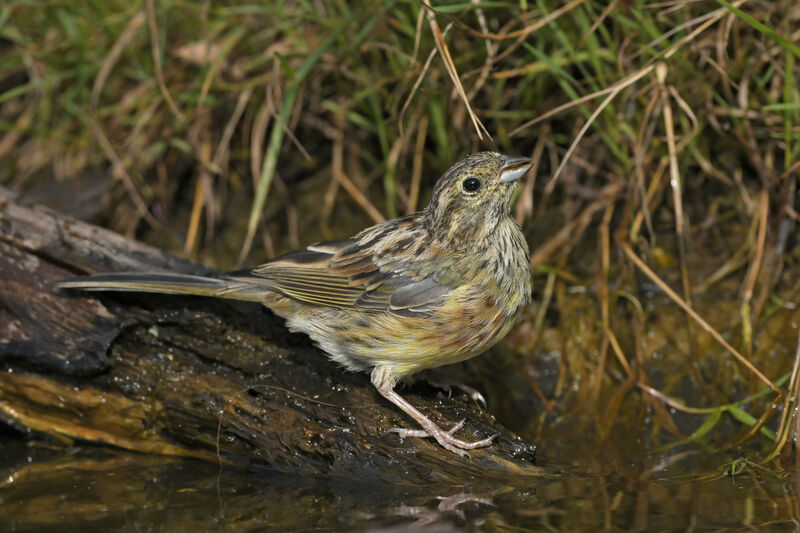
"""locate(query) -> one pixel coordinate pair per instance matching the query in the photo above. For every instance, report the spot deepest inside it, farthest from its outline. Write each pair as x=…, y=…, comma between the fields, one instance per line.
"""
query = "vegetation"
x=661, y=213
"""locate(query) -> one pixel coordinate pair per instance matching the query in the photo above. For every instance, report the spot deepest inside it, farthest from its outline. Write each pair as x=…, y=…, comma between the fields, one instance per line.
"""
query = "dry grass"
x=665, y=136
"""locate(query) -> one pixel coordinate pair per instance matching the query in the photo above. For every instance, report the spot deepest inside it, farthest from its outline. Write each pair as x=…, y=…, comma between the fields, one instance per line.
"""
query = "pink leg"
x=385, y=385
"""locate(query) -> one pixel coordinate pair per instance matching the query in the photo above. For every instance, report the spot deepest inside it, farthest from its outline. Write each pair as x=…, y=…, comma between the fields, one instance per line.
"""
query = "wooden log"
x=197, y=377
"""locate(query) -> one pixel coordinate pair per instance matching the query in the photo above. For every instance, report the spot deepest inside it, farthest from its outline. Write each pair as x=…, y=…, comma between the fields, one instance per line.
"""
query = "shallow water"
x=100, y=489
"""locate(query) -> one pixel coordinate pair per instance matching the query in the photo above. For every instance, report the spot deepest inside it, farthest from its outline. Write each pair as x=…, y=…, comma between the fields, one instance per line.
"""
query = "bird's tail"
x=166, y=283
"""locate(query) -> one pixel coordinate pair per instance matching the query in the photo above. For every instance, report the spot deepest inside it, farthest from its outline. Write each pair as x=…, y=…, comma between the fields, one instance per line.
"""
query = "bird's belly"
x=460, y=329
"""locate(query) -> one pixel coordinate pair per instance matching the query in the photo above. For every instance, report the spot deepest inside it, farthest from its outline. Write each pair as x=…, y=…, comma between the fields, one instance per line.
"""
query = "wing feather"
x=349, y=274
x=416, y=296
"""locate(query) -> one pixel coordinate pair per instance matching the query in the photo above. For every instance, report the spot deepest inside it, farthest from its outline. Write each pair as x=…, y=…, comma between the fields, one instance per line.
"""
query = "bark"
x=217, y=380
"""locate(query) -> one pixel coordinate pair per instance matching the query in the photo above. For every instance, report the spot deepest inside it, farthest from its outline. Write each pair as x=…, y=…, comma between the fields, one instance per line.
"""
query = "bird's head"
x=473, y=197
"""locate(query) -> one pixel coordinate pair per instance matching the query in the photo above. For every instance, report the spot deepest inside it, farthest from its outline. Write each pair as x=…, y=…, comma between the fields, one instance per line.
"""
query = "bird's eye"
x=471, y=184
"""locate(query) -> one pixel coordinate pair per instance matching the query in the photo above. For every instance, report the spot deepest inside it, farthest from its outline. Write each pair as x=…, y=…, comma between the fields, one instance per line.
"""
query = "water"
x=101, y=489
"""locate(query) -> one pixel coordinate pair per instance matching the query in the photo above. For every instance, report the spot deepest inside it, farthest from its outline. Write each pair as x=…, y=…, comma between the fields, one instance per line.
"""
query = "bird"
x=424, y=290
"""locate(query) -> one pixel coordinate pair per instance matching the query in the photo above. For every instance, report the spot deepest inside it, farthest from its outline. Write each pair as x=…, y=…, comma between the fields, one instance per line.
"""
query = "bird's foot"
x=445, y=438
x=384, y=381
x=438, y=380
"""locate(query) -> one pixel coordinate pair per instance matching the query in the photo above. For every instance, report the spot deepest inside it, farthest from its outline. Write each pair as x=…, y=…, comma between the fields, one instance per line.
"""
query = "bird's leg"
x=384, y=382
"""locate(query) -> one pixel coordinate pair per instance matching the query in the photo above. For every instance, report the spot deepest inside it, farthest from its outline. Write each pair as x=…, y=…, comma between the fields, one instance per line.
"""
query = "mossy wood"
x=198, y=377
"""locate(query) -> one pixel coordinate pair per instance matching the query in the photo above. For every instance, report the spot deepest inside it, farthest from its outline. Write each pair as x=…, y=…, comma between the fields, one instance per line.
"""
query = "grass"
x=661, y=214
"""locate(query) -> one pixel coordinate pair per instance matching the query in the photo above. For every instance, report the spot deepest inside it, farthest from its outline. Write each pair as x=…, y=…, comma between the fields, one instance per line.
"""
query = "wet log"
x=197, y=377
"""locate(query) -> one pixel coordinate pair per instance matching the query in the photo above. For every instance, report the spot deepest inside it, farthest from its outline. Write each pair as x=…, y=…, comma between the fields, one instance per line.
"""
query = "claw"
x=478, y=397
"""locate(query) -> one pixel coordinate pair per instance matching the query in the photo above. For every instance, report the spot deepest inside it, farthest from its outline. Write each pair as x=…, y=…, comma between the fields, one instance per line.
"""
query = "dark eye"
x=471, y=184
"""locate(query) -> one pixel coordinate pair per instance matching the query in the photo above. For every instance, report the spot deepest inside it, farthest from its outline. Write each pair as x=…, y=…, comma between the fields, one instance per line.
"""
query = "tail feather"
x=167, y=283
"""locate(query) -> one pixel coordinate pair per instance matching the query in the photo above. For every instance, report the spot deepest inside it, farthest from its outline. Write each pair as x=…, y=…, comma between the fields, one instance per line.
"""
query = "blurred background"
x=661, y=210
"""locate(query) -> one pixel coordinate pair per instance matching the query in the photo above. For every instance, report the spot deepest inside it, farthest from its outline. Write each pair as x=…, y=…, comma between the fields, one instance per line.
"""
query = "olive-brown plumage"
x=421, y=291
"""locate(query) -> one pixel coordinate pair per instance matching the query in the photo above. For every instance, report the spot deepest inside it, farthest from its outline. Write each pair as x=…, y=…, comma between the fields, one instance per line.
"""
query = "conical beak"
x=514, y=168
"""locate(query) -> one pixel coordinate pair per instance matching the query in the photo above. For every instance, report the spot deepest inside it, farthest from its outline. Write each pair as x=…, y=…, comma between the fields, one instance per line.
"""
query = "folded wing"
x=348, y=275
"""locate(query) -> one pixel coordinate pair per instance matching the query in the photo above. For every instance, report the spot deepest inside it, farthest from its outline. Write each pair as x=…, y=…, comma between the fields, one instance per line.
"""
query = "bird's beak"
x=513, y=168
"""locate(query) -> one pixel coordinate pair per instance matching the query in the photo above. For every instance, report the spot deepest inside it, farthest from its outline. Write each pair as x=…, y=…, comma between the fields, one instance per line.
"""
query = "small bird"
x=424, y=290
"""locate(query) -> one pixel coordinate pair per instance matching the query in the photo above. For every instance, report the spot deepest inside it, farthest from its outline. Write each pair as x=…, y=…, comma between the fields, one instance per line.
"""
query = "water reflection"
x=98, y=489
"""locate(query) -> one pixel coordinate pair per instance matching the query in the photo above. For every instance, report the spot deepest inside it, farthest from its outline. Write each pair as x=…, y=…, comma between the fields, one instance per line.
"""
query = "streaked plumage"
x=424, y=290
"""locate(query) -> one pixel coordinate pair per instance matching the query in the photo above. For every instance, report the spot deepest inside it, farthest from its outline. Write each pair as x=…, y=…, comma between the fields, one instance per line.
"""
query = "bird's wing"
x=349, y=275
